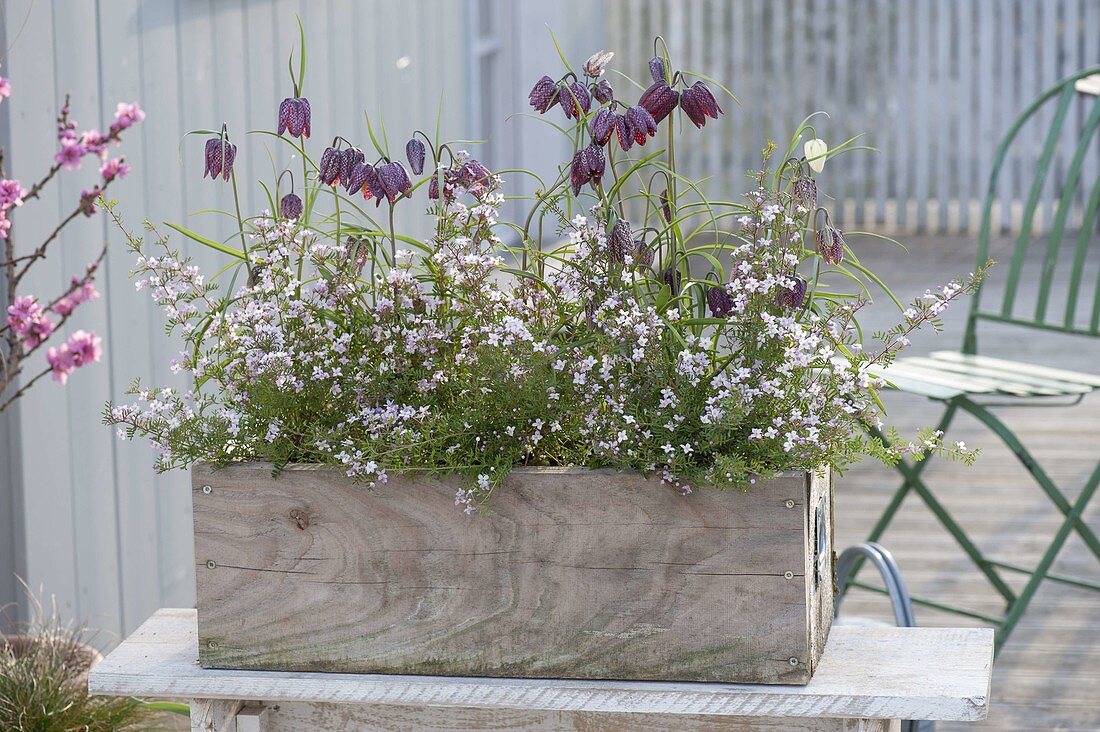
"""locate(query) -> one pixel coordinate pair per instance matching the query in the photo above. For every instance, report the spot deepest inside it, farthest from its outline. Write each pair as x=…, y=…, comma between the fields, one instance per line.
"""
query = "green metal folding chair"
x=966, y=380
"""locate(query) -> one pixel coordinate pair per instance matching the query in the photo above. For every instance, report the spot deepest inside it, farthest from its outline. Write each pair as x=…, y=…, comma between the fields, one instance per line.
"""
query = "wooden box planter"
x=589, y=574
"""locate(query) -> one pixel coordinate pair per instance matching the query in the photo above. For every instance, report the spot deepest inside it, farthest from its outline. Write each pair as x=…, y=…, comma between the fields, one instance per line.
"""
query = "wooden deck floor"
x=1048, y=675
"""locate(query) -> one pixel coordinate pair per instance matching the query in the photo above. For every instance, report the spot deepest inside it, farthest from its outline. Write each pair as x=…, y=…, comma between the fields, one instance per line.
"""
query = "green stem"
x=240, y=219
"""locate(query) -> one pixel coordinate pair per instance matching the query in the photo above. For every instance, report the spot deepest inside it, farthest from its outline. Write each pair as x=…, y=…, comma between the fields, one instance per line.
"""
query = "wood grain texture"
x=299, y=717
x=573, y=574
x=873, y=673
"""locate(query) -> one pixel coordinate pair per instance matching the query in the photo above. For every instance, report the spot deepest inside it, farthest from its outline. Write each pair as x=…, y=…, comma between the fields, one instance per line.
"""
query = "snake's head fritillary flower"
x=643, y=255
x=793, y=296
x=355, y=178
x=373, y=186
x=666, y=207
x=544, y=94
x=291, y=207
x=659, y=99
x=640, y=124
x=597, y=164
x=219, y=158
x=657, y=69
x=804, y=190
x=575, y=100
x=815, y=151
x=603, y=125
x=620, y=242
x=294, y=117
x=720, y=302
x=830, y=244
x=395, y=180
x=350, y=158
x=674, y=279
x=328, y=170
x=474, y=177
x=603, y=91
x=597, y=64
x=578, y=172
x=698, y=103
x=415, y=153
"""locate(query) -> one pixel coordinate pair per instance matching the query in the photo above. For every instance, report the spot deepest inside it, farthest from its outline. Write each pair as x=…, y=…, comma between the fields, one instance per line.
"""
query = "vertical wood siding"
x=932, y=84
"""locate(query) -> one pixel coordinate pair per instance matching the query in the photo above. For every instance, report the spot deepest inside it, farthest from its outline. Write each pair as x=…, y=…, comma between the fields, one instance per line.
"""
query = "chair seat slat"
x=1074, y=377
x=1054, y=386
x=968, y=385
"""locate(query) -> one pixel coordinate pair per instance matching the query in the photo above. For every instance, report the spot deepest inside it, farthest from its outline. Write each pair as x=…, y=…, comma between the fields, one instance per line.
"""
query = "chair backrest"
x=1066, y=298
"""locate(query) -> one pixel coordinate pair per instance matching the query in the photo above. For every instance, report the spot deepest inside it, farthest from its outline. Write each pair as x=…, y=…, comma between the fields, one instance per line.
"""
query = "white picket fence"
x=932, y=84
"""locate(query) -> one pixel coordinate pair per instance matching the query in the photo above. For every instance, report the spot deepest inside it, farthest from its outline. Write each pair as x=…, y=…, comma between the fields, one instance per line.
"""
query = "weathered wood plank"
x=882, y=673
x=299, y=717
x=574, y=573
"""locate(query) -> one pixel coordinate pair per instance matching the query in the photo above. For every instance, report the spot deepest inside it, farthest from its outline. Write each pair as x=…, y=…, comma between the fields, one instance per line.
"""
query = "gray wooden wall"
x=932, y=84
x=81, y=513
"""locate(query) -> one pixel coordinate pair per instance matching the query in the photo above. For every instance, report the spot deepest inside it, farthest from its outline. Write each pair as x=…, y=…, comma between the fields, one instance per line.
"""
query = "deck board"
x=1046, y=676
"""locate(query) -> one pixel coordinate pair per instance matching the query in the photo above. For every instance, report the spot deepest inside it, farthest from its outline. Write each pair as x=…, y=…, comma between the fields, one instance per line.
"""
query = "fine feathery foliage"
x=43, y=686
x=627, y=321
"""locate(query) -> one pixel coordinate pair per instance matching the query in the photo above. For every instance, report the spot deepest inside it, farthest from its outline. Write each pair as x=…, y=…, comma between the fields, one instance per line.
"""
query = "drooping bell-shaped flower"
x=373, y=187
x=291, y=207
x=294, y=116
x=830, y=244
x=578, y=172
x=474, y=177
x=356, y=177
x=328, y=170
x=720, y=302
x=674, y=279
x=698, y=103
x=659, y=100
x=597, y=63
x=220, y=154
x=597, y=164
x=544, y=94
x=350, y=158
x=643, y=254
x=395, y=180
x=620, y=242
x=640, y=124
x=815, y=151
x=603, y=91
x=804, y=190
x=657, y=69
x=602, y=126
x=792, y=297
x=575, y=100
x=415, y=153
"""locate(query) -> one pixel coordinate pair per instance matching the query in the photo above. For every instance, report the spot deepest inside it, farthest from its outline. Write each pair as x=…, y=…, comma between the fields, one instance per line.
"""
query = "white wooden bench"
x=869, y=678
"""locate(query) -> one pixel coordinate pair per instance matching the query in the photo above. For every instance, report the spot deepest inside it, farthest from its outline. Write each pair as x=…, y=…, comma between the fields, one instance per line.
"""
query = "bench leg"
x=214, y=715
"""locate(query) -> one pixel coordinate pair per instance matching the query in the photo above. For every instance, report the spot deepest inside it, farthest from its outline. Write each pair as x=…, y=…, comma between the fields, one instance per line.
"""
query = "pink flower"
x=87, y=201
x=82, y=292
x=128, y=115
x=84, y=347
x=70, y=154
x=11, y=194
x=28, y=321
x=5, y=87
x=4, y=226
x=81, y=349
x=115, y=168
x=94, y=142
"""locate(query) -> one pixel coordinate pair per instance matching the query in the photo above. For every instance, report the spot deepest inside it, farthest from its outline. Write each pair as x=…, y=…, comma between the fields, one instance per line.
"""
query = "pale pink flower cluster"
x=81, y=349
x=29, y=321
x=80, y=292
x=11, y=195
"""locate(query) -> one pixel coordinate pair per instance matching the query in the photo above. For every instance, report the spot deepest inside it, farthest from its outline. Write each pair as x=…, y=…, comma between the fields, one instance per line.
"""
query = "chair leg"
x=1040, y=475
x=1072, y=521
x=903, y=490
x=912, y=482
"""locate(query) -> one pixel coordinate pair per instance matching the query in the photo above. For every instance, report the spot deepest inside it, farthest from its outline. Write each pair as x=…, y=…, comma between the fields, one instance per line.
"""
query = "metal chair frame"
x=1040, y=384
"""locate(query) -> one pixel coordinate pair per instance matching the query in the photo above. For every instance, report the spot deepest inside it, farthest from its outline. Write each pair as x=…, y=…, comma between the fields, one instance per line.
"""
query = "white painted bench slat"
x=879, y=673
